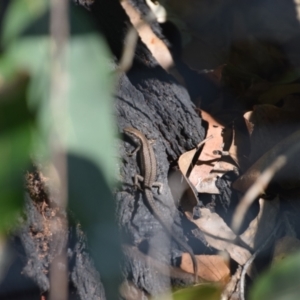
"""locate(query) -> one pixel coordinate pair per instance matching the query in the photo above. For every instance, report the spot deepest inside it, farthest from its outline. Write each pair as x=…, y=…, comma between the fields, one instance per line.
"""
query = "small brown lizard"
x=148, y=170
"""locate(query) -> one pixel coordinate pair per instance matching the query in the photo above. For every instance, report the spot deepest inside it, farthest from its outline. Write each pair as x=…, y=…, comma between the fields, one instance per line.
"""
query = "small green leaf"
x=202, y=291
x=279, y=283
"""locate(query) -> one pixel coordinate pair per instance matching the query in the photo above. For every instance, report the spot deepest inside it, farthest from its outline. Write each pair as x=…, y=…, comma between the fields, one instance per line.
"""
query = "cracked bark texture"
x=150, y=100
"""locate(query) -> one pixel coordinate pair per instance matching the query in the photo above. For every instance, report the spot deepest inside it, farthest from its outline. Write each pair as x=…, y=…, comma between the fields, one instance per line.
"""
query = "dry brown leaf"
x=288, y=177
x=234, y=149
x=262, y=226
x=249, y=124
x=182, y=191
x=208, y=184
x=187, y=188
x=157, y=47
x=212, y=268
x=185, y=160
x=219, y=236
x=239, y=149
x=208, y=157
x=213, y=162
x=284, y=247
x=231, y=289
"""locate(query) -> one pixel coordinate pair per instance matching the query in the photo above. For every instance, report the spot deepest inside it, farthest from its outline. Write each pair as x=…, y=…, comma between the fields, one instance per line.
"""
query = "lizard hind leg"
x=137, y=180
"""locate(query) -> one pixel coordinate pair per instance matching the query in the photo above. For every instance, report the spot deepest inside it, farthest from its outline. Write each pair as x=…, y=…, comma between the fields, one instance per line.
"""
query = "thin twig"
x=204, y=141
x=59, y=34
x=260, y=185
x=251, y=259
x=255, y=190
x=191, y=166
x=131, y=41
x=232, y=285
x=128, y=50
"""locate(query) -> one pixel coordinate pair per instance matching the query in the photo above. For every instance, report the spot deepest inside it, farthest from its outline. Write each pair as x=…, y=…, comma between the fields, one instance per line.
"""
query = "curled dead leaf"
x=249, y=124
x=157, y=47
x=182, y=191
x=212, y=268
x=219, y=236
x=262, y=226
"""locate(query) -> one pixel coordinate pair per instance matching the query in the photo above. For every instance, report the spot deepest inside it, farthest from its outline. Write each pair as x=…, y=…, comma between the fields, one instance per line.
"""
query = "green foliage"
x=87, y=129
x=202, y=291
x=83, y=126
x=280, y=283
x=20, y=16
x=16, y=123
x=91, y=130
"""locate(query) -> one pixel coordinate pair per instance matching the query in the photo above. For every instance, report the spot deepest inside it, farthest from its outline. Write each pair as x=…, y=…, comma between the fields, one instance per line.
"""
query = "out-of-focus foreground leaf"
x=16, y=123
x=87, y=130
x=21, y=15
x=203, y=291
x=280, y=283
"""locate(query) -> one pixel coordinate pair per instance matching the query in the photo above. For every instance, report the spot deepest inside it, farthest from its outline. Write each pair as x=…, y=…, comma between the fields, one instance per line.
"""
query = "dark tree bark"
x=150, y=100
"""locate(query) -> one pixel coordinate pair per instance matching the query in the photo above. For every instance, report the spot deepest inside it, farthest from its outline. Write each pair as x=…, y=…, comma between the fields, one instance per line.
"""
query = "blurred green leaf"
x=279, y=283
x=87, y=128
x=15, y=144
x=202, y=291
x=89, y=121
x=14, y=110
x=14, y=159
x=20, y=15
x=8, y=69
x=91, y=128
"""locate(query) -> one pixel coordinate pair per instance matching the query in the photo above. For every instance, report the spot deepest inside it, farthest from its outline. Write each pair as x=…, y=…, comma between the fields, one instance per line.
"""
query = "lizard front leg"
x=159, y=186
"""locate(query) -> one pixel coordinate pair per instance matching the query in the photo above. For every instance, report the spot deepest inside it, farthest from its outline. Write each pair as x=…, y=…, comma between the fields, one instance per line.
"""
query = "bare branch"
x=59, y=32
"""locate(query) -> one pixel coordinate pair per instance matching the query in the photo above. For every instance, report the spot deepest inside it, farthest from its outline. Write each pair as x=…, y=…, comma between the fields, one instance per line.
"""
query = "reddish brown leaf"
x=212, y=268
x=220, y=236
